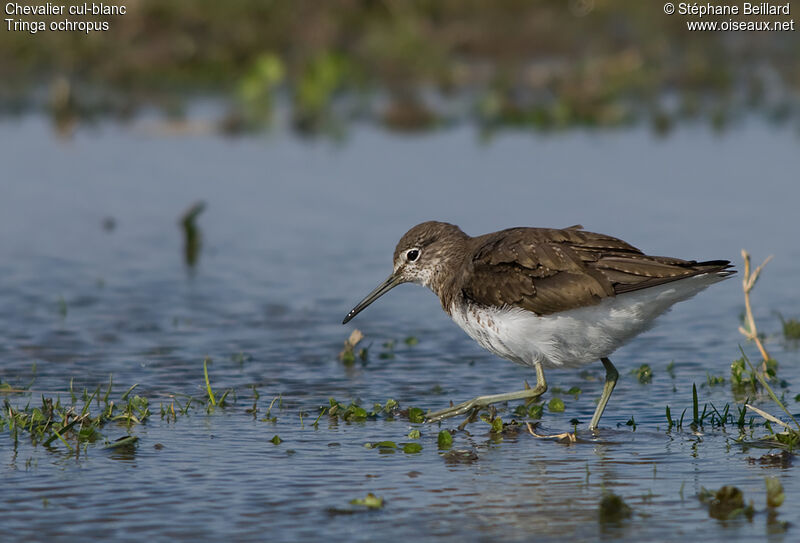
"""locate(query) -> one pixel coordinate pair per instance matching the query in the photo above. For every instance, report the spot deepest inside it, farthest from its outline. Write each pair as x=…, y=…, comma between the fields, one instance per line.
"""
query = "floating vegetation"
x=381, y=445
x=726, y=503
x=444, y=439
x=416, y=414
x=556, y=405
x=388, y=352
x=644, y=374
x=613, y=509
x=775, y=495
x=791, y=328
x=348, y=356
x=370, y=501
x=782, y=459
x=276, y=440
x=391, y=447
x=460, y=456
x=575, y=392
x=349, y=413
x=714, y=380
x=411, y=341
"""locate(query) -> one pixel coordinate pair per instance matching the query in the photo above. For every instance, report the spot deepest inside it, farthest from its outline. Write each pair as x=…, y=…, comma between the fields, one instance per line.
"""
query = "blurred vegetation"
x=408, y=64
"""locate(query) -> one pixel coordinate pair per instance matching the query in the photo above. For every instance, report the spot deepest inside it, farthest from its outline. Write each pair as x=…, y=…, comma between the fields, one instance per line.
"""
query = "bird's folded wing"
x=549, y=270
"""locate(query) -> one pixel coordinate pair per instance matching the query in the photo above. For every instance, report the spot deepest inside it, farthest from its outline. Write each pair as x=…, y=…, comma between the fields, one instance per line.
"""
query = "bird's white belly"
x=573, y=338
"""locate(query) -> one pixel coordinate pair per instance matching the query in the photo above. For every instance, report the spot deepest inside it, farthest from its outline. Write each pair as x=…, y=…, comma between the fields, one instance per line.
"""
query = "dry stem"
x=748, y=282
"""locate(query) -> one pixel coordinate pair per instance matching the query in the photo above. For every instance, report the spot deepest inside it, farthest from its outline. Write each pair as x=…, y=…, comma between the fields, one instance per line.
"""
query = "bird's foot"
x=473, y=405
x=476, y=404
x=564, y=437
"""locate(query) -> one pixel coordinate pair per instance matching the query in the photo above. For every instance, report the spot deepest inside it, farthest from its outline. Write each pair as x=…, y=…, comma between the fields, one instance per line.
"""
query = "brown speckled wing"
x=549, y=270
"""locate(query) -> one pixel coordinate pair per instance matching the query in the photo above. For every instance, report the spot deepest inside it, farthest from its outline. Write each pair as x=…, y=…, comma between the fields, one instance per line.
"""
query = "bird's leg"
x=608, y=388
x=480, y=402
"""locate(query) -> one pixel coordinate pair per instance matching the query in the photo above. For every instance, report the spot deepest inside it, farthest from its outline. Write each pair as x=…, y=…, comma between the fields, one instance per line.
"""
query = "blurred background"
x=421, y=65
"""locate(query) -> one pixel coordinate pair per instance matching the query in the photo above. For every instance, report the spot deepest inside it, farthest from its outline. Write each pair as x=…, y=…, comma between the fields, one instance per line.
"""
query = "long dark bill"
x=382, y=289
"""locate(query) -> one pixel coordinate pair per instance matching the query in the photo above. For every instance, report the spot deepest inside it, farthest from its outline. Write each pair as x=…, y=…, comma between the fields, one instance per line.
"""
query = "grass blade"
x=211, y=397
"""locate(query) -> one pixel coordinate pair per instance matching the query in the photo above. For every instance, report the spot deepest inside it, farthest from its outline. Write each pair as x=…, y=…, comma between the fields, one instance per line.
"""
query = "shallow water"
x=294, y=234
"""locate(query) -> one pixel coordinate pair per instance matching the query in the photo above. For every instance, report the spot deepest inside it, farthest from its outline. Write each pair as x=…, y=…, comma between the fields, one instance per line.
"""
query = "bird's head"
x=419, y=257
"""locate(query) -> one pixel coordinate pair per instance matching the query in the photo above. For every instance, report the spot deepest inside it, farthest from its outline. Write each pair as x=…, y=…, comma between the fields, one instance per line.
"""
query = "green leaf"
x=536, y=410
x=445, y=439
x=411, y=448
x=208, y=384
x=643, y=373
x=276, y=440
x=414, y=434
x=556, y=405
x=370, y=500
x=497, y=425
x=415, y=414
x=775, y=495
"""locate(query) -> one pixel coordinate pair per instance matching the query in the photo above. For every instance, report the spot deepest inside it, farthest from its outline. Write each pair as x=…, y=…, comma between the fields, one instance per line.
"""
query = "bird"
x=543, y=297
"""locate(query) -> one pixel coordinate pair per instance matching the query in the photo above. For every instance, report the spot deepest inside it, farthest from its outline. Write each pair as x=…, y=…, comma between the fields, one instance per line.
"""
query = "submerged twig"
x=748, y=282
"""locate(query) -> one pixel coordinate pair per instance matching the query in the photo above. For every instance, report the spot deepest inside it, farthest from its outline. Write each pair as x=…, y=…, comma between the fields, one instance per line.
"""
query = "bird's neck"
x=446, y=277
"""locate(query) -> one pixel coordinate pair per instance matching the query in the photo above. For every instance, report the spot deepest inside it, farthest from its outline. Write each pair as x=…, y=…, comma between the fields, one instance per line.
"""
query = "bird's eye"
x=412, y=255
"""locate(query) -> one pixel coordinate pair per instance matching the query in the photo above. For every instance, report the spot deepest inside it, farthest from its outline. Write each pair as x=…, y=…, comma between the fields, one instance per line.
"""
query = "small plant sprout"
x=347, y=355
x=643, y=374
x=210, y=392
x=791, y=328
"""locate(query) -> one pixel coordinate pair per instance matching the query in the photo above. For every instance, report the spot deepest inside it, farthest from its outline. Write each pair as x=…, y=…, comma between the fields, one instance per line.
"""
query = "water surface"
x=296, y=232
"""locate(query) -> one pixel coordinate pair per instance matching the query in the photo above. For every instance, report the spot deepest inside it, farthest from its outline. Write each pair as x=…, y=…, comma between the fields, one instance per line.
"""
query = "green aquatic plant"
x=444, y=440
x=348, y=355
x=416, y=414
x=212, y=401
x=791, y=328
x=349, y=413
x=370, y=501
x=775, y=495
x=556, y=405
x=73, y=425
x=192, y=236
x=726, y=503
x=613, y=509
x=644, y=374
